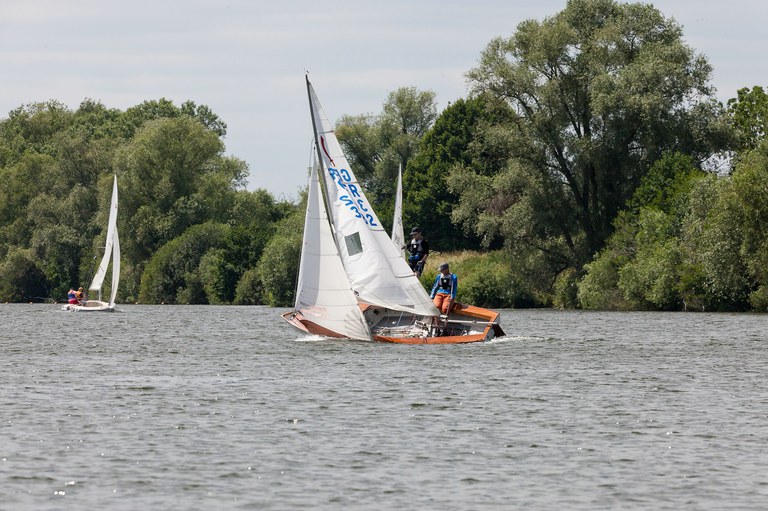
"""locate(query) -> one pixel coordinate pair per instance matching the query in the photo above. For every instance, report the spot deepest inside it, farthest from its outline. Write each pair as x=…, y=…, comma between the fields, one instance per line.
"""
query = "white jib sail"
x=398, y=235
x=101, y=272
x=115, y=268
x=323, y=294
x=376, y=270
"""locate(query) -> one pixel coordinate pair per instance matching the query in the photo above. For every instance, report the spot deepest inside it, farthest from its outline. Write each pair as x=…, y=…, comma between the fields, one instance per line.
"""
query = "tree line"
x=190, y=232
x=590, y=166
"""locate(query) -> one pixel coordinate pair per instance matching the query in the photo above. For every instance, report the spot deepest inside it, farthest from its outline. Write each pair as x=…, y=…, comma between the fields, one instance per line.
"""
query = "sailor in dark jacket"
x=419, y=251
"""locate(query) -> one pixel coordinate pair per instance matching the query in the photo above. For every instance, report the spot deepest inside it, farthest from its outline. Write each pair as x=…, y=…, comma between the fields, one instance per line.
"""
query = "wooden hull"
x=297, y=320
x=465, y=324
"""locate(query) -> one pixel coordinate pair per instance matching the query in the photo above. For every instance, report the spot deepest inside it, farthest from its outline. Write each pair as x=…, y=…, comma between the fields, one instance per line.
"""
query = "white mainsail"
x=323, y=293
x=398, y=235
x=111, y=251
x=377, y=272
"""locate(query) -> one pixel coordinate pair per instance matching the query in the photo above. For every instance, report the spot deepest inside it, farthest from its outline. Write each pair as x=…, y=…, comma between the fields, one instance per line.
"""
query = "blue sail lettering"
x=353, y=190
x=343, y=179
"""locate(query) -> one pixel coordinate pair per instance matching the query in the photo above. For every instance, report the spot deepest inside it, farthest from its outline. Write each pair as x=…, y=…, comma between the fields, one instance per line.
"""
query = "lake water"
x=202, y=407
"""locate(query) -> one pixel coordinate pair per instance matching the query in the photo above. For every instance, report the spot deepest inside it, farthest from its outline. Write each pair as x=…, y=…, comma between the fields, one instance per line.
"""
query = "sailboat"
x=111, y=252
x=353, y=281
x=398, y=235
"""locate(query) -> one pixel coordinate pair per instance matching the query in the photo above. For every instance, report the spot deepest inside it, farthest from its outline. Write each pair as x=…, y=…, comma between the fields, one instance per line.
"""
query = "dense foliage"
x=594, y=96
x=189, y=230
x=428, y=201
x=377, y=145
x=590, y=167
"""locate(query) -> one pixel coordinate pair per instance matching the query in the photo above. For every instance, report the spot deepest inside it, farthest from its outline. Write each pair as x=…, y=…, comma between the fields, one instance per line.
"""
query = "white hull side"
x=89, y=306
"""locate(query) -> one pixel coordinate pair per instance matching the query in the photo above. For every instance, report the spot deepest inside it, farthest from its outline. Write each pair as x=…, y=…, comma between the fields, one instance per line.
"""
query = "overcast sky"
x=246, y=59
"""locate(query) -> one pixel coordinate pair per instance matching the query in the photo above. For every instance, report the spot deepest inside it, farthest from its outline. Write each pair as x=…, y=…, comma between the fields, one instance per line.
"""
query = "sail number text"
x=353, y=200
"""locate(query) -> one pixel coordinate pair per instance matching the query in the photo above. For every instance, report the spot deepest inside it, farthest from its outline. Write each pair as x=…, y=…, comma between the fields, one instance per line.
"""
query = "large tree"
x=173, y=174
x=428, y=202
x=598, y=92
x=749, y=113
x=376, y=145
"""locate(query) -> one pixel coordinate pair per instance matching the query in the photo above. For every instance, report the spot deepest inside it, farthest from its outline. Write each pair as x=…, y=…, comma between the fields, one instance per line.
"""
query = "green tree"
x=376, y=145
x=427, y=201
x=257, y=222
x=716, y=276
x=599, y=91
x=135, y=117
x=32, y=128
x=273, y=280
x=173, y=273
x=253, y=223
x=644, y=262
x=62, y=238
x=650, y=278
x=21, y=182
x=56, y=168
x=739, y=234
x=172, y=175
x=20, y=278
x=749, y=111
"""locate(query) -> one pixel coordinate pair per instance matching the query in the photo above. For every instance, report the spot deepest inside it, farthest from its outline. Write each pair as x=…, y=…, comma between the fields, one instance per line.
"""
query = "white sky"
x=245, y=59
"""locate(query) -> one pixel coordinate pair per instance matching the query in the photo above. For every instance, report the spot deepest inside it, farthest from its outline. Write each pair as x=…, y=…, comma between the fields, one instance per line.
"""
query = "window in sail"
x=354, y=245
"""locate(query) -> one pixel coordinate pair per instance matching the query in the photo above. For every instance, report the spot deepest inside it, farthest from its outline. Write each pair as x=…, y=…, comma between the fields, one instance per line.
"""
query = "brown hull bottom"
x=474, y=324
x=295, y=319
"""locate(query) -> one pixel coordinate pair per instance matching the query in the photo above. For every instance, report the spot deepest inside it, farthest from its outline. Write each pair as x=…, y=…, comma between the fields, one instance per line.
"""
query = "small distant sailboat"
x=354, y=282
x=398, y=234
x=111, y=252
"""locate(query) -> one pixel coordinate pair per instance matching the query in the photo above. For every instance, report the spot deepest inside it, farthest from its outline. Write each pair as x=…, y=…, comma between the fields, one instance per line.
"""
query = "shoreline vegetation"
x=590, y=166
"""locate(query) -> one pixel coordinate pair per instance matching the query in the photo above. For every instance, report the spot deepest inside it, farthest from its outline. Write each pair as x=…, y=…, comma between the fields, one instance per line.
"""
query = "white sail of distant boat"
x=398, y=234
x=111, y=253
x=353, y=280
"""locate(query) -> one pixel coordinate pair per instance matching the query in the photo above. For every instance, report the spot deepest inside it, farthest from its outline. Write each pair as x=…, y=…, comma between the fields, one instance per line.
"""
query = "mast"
x=319, y=157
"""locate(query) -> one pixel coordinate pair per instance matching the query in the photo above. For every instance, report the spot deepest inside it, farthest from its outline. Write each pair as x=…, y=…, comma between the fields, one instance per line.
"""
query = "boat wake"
x=313, y=338
x=515, y=338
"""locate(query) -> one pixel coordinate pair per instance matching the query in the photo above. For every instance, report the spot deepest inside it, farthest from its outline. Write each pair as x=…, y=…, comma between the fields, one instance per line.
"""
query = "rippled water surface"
x=183, y=407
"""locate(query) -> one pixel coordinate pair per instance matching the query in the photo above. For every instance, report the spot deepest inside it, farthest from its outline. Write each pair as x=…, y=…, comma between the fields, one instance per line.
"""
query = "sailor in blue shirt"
x=444, y=289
